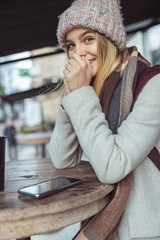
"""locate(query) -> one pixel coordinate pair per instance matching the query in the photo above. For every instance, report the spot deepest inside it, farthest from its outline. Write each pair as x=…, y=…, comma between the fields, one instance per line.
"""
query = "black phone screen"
x=48, y=187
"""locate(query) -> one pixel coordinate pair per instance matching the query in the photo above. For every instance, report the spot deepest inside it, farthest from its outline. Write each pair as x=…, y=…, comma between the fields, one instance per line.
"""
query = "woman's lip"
x=92, y=60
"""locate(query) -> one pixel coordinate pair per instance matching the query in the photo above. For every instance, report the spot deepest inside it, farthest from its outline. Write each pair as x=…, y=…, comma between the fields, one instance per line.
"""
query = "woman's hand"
x=77, y=73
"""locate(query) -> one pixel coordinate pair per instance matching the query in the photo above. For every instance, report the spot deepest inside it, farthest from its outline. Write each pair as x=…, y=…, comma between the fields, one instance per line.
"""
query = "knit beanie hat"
x=104, y=16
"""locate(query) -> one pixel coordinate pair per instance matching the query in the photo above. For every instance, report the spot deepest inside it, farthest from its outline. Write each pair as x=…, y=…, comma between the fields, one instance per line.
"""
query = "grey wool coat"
x=82, y=132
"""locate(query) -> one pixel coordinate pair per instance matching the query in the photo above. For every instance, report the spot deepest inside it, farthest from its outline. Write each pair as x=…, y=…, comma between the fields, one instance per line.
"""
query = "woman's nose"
x=80, y=50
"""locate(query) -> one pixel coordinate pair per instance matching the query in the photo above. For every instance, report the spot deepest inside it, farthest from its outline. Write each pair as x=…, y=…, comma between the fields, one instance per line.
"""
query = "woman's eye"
x=69, y=46
x=88, y=39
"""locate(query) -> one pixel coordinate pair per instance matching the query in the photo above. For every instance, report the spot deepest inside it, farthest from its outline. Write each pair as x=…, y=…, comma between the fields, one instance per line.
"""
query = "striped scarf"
x=116, y=99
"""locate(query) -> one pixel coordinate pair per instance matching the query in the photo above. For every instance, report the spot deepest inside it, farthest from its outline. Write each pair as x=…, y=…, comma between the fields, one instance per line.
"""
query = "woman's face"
x=83, y=42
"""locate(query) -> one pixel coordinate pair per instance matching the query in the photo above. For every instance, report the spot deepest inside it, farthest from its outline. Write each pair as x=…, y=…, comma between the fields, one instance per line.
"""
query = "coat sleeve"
x=114, y=156
x=64, y=147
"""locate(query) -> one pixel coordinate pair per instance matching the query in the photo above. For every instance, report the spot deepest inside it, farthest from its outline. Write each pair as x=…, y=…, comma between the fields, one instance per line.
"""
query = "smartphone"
x=49, y=187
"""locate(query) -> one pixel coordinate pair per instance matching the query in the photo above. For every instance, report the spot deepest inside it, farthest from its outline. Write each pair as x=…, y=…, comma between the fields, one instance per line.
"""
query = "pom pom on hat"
x=104, y=16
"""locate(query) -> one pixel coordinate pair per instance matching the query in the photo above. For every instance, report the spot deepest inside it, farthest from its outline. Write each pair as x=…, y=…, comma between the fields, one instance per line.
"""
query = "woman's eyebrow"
x=81, y=35
x=68, y=41
x=86, y=32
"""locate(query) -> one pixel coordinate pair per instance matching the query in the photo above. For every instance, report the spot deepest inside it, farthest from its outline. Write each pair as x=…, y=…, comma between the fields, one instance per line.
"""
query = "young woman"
x=94, y=121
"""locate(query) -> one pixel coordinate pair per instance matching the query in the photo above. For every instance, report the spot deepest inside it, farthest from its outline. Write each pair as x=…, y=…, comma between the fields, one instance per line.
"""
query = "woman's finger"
x=77, y=58
x=83, y=62
x=68, y=67
x=88, y=62
x=66, y=73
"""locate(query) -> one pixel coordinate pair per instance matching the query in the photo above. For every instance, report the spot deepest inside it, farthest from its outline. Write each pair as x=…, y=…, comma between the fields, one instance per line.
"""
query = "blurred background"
x=32, y=63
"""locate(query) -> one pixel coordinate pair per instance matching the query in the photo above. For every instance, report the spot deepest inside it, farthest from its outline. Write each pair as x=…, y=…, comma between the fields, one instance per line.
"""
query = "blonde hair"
x=108, y=59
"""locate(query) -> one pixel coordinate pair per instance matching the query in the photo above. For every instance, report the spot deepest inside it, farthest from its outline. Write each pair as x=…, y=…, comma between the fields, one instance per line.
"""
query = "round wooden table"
x=23, y=216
